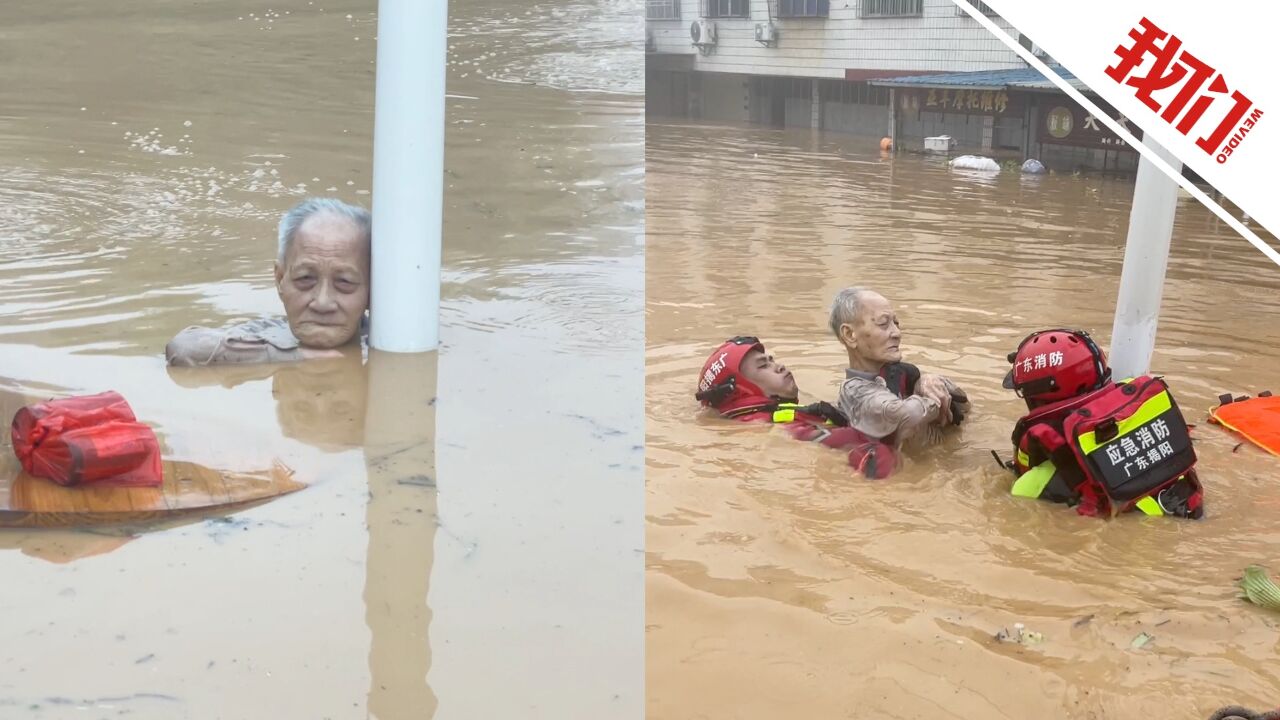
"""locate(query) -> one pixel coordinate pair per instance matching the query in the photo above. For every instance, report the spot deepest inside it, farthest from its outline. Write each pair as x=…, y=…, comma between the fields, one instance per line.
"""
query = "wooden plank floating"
x=31, y=502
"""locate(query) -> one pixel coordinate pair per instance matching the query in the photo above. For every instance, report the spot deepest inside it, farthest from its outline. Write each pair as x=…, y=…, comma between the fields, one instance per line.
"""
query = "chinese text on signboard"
x=972, y=102
x=1069, y=124
x=983, y=101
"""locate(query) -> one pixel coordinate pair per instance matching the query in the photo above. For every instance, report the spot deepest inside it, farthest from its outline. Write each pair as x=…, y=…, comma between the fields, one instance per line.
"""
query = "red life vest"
x=721, y=387
x=901, y=378
x=823, y=424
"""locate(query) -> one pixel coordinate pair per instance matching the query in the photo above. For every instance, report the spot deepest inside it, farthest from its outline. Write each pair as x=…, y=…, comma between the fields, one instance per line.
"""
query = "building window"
x=726, y=8
x=803, y=8
x=663, y=10
x=853, y=93
x=799, y=88
x=982, y=7
x=890, y=8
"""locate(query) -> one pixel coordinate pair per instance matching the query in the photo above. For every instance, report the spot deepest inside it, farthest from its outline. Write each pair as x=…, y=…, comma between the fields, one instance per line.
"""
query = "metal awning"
x=1012, y=79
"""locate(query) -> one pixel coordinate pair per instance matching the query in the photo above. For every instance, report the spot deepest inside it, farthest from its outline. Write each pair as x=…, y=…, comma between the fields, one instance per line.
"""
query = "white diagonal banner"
x=1196, y=86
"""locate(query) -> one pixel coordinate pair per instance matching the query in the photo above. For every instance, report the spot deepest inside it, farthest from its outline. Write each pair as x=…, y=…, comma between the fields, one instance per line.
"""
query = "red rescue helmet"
x=721, y=386
x=1056, y=364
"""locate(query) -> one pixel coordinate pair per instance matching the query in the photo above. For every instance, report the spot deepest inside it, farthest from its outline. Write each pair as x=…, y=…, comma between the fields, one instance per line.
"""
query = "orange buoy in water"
x=1258, y=420
x=886, y=144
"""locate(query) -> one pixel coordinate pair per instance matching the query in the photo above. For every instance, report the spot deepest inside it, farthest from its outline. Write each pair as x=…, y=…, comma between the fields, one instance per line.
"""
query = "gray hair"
x=844, y=309
x=304, y=210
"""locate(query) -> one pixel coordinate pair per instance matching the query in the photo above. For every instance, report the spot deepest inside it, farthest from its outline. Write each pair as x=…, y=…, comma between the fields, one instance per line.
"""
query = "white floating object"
x=975, y=162
x=940, y=144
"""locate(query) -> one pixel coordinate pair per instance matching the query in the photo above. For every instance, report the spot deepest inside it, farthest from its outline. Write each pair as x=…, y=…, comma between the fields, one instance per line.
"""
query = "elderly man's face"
x=324, y=281
x=876, y=333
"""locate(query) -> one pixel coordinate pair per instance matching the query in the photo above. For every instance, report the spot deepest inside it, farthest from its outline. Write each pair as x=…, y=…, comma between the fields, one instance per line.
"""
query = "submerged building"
x=906, y=69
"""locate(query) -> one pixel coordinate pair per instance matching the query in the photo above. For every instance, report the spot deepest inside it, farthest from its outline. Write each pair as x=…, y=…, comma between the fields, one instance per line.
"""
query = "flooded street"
x=150, y=149
x=770, y=567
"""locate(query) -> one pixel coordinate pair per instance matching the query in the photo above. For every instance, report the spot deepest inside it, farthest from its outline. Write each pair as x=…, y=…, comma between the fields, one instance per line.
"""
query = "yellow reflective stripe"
x=1023, y=459
x=786, y=413
x=1149, y=506
x=1149, y=411
x=1031, y=483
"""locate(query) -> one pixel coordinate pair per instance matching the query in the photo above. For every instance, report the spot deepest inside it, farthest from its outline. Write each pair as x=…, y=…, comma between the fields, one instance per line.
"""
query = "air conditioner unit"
x=766, y=34
x=703, y=33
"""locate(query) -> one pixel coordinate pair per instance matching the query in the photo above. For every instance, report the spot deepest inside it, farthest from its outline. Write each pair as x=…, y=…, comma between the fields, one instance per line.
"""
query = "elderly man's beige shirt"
x=876, y=411
x=258, y=341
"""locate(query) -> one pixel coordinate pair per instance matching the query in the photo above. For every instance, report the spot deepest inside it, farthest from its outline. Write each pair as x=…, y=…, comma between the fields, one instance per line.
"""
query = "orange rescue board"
x=1257, y=419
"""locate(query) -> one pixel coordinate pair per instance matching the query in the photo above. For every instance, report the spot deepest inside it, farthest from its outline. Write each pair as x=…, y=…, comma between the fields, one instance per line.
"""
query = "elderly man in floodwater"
x=322, y=277
x=882, y=396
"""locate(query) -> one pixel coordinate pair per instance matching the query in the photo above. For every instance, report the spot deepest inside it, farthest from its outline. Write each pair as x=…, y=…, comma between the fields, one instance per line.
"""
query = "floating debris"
x=418, y=480
x=1020, y=635
x=1258, y=588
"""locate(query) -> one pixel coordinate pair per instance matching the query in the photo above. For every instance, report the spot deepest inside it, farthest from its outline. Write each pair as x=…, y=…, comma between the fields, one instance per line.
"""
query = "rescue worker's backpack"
x=1120, y=447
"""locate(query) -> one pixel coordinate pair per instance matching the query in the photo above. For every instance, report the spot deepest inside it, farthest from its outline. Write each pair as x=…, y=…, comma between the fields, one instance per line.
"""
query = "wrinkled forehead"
x=874, y=306
x=332, y=237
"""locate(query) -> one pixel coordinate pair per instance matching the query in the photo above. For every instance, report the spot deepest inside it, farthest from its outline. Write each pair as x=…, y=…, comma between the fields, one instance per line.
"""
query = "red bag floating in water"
x=92, y=439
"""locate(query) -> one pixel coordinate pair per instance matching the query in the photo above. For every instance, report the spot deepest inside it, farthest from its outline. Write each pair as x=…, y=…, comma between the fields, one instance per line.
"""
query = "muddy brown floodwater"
x=778, y=585
x=450, y=557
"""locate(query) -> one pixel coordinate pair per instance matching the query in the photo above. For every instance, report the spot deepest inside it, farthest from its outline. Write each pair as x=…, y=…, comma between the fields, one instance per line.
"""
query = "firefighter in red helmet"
x=1063, y=377
x=741, y=381
x=1049, y=369
x=1055, y=365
